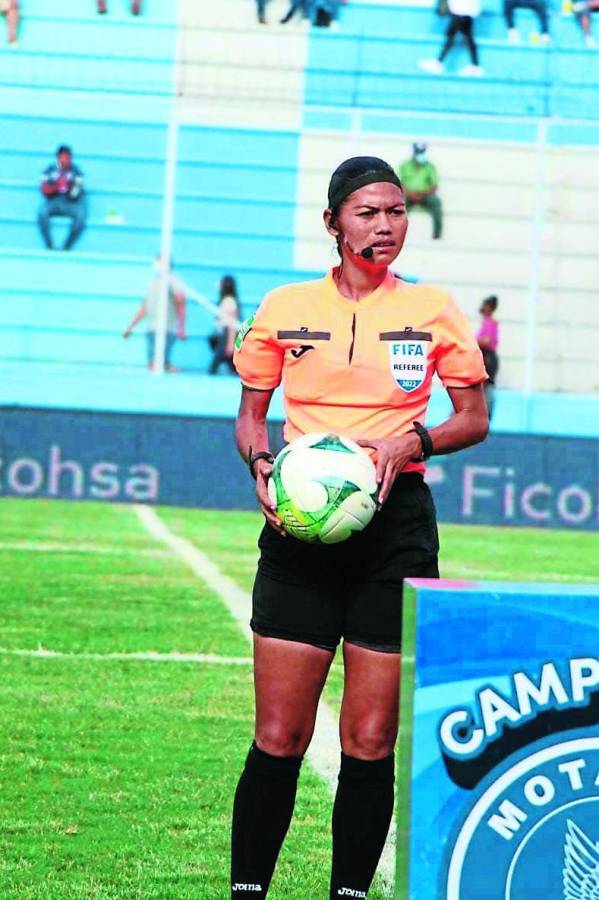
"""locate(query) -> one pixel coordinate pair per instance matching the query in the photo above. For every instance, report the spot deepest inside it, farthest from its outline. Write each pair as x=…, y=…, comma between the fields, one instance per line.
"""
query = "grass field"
x=117, y=774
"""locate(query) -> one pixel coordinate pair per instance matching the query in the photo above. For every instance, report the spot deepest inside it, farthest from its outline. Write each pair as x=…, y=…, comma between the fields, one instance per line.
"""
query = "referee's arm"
x=251, y=433
x=469, y=424
x=250, y=429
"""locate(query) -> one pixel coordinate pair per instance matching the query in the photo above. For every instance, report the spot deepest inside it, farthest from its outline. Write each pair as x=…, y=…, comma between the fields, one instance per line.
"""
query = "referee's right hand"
x=262, y=470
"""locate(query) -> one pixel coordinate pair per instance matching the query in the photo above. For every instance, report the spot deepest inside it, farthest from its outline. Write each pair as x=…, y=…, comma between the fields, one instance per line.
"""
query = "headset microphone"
x=366, y=253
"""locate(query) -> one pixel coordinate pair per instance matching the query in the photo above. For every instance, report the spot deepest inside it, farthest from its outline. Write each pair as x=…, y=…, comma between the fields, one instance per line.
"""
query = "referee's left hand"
x=392, y=455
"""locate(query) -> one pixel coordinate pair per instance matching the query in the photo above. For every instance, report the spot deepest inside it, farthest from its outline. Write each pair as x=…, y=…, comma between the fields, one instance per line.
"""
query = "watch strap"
x=254, y=457
x=425, y=440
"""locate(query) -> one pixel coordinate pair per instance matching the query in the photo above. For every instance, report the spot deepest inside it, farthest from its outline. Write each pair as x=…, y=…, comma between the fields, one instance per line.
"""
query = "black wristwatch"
x=254, y=457
x=425, y=440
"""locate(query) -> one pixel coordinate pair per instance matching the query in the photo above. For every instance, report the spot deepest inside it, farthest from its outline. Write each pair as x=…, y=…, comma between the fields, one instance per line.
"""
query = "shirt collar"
x=389, y=283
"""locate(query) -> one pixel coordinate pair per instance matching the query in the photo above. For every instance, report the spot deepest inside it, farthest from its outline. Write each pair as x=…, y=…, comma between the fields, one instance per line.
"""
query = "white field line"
x=323, y=752
x=141, y=656
x=52, y=547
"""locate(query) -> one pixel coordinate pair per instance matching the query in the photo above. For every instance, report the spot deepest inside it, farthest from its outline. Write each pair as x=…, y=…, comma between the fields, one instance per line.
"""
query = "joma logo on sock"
x=238, y=886
x=349, y=892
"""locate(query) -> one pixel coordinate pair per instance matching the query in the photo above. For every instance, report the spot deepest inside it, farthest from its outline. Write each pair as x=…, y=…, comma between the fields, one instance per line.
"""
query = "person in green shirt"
x=420, y=182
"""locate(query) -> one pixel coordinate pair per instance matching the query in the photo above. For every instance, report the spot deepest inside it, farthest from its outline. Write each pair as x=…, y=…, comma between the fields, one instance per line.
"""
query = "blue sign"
x=514, y=479
x=193, y=461
x=502, y=703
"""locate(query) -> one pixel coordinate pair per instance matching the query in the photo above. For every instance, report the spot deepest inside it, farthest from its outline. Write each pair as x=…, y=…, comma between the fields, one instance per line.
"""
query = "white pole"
x=168, y=212
x=536, y=250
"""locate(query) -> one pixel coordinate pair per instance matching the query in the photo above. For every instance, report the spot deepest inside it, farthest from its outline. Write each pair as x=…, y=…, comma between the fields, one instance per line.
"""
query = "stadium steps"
x=74, y=307
x=87, y=52
x=371, y=61
x=226, y=55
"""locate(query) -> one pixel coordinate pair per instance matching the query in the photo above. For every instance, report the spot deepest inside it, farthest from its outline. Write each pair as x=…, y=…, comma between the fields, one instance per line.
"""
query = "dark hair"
x=64, y=148
x=355, y=173
x=228, y=287
x=492, y=300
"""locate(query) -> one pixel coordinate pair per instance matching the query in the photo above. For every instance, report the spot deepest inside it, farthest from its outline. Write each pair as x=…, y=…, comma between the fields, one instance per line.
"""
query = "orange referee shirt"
x=359, y=368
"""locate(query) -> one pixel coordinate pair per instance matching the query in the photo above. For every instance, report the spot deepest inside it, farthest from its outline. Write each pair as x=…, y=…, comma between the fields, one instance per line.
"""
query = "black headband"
x=354, y=184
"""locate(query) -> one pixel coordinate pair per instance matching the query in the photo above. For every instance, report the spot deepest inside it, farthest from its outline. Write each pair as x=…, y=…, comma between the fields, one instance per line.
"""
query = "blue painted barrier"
x=511, y=479
x=499, y=795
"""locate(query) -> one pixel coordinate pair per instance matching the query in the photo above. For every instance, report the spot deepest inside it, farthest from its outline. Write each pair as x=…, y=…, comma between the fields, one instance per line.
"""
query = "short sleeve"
x=258, y=357
x=458, y=360
x=176, y=284
x=433, y=175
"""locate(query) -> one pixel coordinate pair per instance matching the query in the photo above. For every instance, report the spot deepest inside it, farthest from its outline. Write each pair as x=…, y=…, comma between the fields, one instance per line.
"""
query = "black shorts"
x=317, y=593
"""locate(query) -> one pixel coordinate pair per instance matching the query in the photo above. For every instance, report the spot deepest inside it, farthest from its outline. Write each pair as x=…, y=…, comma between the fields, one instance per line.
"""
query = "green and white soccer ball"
x=324, y=487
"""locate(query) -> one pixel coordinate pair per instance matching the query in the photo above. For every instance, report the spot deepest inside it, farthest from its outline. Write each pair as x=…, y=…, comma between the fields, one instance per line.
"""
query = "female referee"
x=356, y=352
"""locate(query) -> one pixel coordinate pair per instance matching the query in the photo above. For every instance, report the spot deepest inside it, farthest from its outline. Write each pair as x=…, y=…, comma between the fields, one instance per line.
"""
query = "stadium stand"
x=264, y=114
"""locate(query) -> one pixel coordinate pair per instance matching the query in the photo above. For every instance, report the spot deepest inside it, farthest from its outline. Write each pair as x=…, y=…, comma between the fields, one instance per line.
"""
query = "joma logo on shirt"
x=350, y=892
x=240, y=886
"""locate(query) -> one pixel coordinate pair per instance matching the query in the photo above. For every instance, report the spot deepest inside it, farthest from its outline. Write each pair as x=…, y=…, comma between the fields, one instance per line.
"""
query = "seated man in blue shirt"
x=62, y=187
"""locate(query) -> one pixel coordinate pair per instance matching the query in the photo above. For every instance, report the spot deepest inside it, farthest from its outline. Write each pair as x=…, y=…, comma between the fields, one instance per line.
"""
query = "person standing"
x=223, y=340
x=304, y=7
x=175, y=316
x=420, y=183
x=64, y=195
x=487, y=338
x=356, y=352
x=462, y=14
x=261, y=10
x=10, y=9
x=583, y=9
x=538, y=6
x=135, y=7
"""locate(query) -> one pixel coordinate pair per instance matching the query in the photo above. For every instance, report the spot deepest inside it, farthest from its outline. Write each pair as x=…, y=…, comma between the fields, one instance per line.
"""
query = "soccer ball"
x=324, y=487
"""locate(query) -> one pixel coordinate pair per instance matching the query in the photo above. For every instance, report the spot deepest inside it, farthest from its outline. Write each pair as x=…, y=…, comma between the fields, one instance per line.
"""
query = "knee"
x=370, y=739
x=278, y=739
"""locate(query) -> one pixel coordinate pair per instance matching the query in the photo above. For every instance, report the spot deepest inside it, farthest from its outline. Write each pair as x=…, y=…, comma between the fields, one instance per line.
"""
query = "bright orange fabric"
x=362, y=369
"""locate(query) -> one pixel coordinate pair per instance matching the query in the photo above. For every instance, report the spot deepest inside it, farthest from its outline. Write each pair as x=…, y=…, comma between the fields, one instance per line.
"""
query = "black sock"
x=361, y=817
x=262, y=811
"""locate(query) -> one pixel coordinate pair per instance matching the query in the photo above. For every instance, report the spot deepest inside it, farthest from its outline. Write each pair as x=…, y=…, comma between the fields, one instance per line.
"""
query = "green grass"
x=117, y=776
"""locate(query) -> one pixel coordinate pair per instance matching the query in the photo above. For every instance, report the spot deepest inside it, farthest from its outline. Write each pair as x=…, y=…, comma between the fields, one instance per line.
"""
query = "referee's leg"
x=364, y=802
x=288, y=678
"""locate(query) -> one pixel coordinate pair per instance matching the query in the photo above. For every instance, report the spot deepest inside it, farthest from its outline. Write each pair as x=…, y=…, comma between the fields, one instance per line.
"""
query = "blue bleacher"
x=401, y=20
x=104, y=86
x=373, y=62
x=123, y=165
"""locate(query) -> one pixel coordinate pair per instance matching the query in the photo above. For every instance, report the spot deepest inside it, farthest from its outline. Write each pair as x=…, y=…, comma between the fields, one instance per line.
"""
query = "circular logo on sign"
x=533, y=831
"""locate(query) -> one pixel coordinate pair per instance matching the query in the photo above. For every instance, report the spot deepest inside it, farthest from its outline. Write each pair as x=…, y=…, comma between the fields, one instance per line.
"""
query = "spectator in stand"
x=325, y=12
x=135, y=7
x=261, y=9
x=582, y=10
x=538, y=6
x=175, y=315
x=302, y=6
x=223, y=340
x=462, y=15
x=10, y=9
x=420, y=182
x=62, y=187
x=487, y=337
